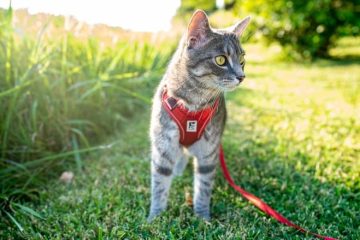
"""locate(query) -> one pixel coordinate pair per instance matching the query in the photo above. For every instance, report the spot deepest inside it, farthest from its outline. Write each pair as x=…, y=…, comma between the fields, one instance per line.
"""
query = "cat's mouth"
x=228, y=85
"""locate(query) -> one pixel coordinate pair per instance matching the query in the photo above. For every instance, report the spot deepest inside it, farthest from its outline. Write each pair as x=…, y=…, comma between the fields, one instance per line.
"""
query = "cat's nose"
x=240, y=78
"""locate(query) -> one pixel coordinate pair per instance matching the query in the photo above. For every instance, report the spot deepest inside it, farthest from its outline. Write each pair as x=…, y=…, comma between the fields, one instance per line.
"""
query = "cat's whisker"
x=211, y=97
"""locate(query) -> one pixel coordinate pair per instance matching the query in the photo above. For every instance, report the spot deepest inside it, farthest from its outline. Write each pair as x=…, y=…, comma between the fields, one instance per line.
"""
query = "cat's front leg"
x=205, y=169
x=165, y=153
x=161, y=177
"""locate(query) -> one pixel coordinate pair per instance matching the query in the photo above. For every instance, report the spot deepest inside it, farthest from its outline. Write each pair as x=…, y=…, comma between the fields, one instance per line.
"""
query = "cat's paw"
x=203, y=214
x=150, y=218
x=153, y=214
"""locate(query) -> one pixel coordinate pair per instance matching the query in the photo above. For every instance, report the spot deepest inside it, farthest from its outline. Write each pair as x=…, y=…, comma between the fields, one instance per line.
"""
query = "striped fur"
x=196, y=80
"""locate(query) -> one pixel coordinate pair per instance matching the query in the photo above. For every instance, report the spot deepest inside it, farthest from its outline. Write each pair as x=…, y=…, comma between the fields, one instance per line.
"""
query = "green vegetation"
x=306, y=29
x=292, y=138
x=189, y=6
x=62, y=96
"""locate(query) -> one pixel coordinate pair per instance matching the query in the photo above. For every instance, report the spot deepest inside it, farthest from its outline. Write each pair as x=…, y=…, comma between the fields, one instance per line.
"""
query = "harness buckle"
x=171, y=102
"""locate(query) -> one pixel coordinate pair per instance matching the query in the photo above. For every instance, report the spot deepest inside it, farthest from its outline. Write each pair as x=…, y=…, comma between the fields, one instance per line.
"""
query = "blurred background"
x=75, y=74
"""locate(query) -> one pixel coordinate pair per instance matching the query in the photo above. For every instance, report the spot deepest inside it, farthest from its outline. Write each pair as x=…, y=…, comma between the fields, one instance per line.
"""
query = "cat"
x=207, y=63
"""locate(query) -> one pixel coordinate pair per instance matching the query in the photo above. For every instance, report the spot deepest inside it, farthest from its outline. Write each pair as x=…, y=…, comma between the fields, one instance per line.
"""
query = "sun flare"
x=141, y=15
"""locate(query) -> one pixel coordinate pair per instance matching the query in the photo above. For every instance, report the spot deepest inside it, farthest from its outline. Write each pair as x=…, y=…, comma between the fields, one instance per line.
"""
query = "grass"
x=60, y=97
x=71, y=101
x=292, y=138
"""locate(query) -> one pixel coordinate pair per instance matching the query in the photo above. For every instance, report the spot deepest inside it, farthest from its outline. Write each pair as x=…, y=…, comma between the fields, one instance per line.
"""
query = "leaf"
x=77, y=155
x=14, y=221
x=28, y=211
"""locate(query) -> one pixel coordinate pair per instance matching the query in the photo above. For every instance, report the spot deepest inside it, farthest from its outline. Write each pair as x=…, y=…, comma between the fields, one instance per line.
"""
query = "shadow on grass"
x=283, y=180
x=344, y=60
x=111, y=197
x=348, y=58
x=290, y=180
x=320, y=206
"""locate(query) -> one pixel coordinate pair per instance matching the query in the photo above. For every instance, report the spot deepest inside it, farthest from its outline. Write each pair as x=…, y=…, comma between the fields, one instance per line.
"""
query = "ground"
x=292, y=138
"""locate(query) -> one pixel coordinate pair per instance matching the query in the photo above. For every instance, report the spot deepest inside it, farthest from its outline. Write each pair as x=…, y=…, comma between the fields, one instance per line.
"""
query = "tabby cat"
x=207, y=63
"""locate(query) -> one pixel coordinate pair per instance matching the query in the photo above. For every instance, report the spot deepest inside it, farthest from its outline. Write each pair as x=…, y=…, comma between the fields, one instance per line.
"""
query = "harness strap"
x=191, y=124
x=191, y=127
x=261, y=204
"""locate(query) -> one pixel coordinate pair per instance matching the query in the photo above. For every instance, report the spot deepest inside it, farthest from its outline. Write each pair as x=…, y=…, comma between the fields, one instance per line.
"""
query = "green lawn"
x=292, y=138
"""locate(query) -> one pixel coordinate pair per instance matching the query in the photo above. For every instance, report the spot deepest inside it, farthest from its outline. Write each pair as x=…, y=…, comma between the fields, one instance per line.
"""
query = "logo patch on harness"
x=191, y=126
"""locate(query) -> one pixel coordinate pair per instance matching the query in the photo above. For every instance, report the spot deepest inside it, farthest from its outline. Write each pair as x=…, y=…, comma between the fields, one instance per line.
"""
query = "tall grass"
x=60, y=97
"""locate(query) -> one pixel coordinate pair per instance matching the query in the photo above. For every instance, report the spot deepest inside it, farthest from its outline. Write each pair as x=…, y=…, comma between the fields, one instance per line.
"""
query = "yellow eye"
x=242, y=60
x=220, y=60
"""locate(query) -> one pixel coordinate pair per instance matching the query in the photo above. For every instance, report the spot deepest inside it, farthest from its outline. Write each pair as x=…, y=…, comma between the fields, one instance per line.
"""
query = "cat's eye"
x=242, y=60
x=220, y=60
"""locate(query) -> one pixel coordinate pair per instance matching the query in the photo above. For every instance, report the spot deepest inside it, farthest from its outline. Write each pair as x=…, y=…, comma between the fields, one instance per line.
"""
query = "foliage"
x=62, y=96
x=291, y=138
x=186, y=10
x=308, y=28
x=189, y=6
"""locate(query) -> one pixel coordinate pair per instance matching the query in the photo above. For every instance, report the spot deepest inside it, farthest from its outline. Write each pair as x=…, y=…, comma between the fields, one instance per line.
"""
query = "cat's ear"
x=239, y=28
x=198, y=29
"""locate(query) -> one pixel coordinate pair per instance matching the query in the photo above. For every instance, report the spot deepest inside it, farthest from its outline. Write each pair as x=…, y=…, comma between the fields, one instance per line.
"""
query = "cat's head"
x=214, y=56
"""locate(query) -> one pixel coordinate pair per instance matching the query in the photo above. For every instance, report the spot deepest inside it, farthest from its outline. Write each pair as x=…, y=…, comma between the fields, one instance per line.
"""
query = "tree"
x=189, y=6
x=307, y=27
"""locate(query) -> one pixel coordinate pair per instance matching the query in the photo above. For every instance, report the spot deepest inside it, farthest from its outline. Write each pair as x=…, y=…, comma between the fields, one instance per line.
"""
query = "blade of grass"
x=81, y=135
x=18, y=225
x=27, y=210
x=52, y=157
x=131, y=93
x=76, y=152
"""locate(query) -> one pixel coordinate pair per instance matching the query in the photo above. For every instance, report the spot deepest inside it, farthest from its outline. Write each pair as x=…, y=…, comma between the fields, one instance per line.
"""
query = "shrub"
x=308, y=28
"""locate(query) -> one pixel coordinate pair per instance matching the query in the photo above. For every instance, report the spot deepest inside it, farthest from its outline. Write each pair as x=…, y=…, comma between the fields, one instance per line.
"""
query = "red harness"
x=192, y=126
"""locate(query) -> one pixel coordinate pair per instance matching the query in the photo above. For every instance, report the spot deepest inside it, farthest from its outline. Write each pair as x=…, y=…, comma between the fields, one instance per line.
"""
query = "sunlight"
x=140, y=15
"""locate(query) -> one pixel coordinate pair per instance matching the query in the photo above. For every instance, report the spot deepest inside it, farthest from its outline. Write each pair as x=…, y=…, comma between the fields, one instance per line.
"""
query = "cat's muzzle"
x=240, y=78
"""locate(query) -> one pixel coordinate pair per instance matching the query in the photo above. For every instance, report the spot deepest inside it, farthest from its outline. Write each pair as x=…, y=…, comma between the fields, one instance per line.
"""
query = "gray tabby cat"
x=207, y=63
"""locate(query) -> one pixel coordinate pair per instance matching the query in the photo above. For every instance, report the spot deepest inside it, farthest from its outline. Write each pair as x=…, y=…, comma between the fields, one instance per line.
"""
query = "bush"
x=189, y=6
x=308, y=28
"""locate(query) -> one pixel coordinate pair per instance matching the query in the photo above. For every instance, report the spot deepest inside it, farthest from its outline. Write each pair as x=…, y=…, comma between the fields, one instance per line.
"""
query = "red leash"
x=191, y=126
x=260, y=204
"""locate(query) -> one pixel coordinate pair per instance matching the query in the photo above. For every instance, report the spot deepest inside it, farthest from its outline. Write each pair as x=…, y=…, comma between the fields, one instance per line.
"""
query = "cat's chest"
x=177, y=127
